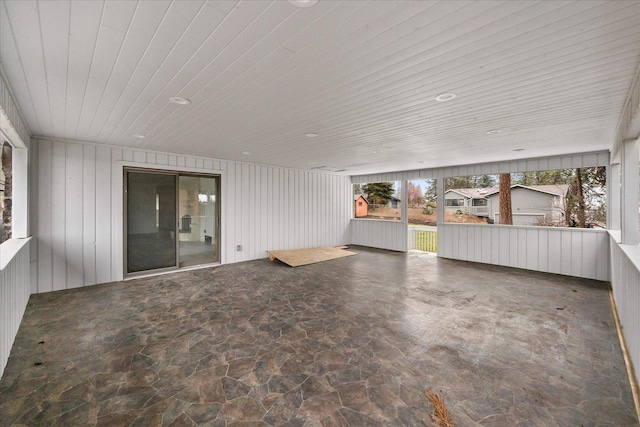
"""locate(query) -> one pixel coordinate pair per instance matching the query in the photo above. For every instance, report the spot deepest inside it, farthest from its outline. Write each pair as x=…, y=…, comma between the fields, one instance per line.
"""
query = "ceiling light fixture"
x=303, y=3
x=493, y=131
x=246, y=153
x=311, y=135
x=180, y=101
x=377, y=152
x=138, y=135
x=443, y=97
x=518, y=149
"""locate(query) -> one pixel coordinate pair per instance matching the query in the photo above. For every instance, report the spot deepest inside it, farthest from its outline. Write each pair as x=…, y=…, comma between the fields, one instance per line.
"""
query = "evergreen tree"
x=379, y=192
x=430, y=191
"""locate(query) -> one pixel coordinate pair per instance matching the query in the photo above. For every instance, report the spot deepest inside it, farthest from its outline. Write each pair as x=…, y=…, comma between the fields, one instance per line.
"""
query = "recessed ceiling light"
x=311, y=135
x=518, y=149
x=180, y=101
x=492, y=131
x=443, y=97
x=377, y=151
x=420, y=161
x=303, y=3
x=246, y=153
x=138, y=135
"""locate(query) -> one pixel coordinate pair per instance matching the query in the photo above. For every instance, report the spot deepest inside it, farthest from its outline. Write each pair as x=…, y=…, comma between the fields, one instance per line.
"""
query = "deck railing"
x=423, y=239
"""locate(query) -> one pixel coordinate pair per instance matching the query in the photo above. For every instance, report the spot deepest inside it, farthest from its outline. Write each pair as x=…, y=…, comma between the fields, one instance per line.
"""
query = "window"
x=554, y=198
x=6, y=190
x=377, y=200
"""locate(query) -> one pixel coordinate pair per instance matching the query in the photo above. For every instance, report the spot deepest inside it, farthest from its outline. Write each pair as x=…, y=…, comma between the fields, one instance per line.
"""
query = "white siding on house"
x=78, y=219
x=528, y=206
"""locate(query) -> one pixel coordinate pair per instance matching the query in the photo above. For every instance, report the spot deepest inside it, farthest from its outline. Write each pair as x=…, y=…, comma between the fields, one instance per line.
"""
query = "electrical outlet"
x=238, y=248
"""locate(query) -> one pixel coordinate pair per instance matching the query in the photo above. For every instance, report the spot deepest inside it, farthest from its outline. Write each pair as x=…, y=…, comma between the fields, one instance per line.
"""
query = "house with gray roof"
x=531, y=205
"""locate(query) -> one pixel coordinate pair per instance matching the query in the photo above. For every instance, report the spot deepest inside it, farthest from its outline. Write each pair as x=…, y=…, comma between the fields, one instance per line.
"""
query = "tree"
x=414, y=194
x=379, y=192
x=357, y=189
x=581, y=214
x=458, y=182
x=485, y=181
x=430, y=192
x=585, y=203
x=506, y=215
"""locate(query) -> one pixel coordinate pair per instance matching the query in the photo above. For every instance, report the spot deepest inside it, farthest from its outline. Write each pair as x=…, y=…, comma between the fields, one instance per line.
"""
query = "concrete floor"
x=350, y=342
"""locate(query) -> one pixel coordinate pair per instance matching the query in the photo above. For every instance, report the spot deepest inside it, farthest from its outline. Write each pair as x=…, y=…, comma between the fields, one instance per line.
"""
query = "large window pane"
x=377, y=200
x=554, y=198
x=151, y=221
x=198, y=213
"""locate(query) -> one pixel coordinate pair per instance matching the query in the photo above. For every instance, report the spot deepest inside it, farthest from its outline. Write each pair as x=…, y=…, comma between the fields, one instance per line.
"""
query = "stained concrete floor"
x=350, y=342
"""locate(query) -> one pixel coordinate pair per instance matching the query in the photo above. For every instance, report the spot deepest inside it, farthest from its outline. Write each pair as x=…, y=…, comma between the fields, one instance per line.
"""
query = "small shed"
x=361, y=206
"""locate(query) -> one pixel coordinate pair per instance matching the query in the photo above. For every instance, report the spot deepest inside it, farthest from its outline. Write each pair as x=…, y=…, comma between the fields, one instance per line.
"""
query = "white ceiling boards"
x=549, y=77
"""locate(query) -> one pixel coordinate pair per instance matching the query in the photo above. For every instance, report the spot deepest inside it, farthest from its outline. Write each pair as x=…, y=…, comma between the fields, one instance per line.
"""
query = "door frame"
x=118, y=212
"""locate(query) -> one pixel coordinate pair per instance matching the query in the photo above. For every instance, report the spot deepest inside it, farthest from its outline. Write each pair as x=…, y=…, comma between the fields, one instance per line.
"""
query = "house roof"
x=473, y=193
x=556, y=190
x=480, y=193
x=361, y=75
x=357, y=196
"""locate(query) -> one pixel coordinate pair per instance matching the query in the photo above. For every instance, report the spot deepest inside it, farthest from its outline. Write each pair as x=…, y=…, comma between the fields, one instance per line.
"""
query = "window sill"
x=376, y=219
x=9, y=249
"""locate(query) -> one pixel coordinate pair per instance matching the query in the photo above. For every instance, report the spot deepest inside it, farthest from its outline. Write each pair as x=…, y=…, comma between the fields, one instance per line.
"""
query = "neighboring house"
x=393, y=203
x=361, y=206
x=469, y=200
x=530, y=205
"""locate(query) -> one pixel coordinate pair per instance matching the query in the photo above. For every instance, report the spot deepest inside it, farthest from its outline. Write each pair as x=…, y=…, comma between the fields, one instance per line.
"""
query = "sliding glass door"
x=171, y=220
x=198, y=220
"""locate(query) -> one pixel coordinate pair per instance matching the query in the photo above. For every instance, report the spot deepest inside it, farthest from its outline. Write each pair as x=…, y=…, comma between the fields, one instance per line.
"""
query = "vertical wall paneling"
x=563, y=251
x=45, y=236
x=58, y=215
x=14, y=295
x=89, y=214
x=80, y=197
x=625, y=283
x=567, y=251
x=73, y=230
x=34, y=203
x=103, y=214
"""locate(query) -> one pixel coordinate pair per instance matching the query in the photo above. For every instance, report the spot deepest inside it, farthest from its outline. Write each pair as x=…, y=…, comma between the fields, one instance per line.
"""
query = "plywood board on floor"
x=298, y=257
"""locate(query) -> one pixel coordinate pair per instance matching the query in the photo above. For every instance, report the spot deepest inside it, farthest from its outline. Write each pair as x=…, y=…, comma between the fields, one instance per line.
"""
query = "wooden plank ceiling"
x=551, y=76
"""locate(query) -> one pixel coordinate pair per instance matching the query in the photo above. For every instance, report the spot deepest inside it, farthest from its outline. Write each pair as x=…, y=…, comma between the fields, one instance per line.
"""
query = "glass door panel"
x=198, y=220
x=150, y=221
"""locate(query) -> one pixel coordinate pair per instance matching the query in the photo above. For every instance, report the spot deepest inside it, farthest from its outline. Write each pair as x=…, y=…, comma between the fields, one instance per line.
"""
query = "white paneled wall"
x=567, y=251
x=573, y=252
x=14, y=295
x=15, y=125
x=78, y=220
x=625, y=282
x=383, y=234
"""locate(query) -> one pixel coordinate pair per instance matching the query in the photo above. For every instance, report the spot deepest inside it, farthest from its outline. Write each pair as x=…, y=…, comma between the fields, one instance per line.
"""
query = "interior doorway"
x=172, y=220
